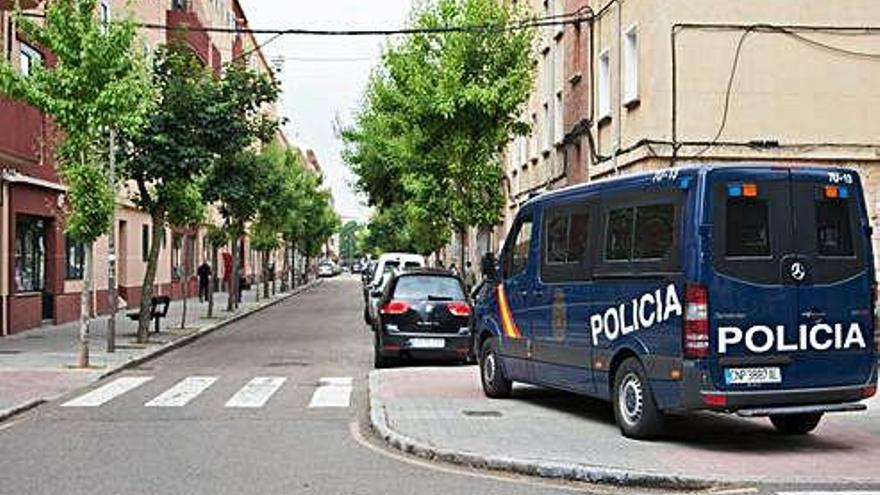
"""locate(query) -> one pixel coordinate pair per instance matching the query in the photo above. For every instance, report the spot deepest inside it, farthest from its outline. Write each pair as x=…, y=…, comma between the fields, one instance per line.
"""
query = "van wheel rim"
x=489, y=368
x=630, y=399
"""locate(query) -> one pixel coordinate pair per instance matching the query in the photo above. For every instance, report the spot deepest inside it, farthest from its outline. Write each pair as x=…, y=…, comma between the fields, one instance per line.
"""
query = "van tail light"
x=874, y=300
x=459, y=308
x=869, y=391
x=394, y=308
x=714, y=400
x=695, y=336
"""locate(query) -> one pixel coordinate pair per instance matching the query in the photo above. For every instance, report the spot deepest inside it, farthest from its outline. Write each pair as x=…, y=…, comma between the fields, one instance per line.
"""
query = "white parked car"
x=387, y=265
x=326, y=270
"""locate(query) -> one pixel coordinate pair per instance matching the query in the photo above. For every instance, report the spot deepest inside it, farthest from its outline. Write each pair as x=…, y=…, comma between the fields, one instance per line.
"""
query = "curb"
x=165, y=348
x=529, y=467
x=190, y=338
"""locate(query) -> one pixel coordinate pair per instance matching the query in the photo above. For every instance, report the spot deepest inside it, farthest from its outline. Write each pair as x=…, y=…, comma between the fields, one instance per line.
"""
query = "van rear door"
x=833, y=273
x=752, y=234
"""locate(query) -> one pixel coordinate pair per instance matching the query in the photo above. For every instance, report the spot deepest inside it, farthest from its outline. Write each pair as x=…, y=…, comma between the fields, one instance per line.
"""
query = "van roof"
x=642, y=179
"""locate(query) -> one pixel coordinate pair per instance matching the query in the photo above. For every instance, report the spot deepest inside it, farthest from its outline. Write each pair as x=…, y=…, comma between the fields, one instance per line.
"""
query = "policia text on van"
x=738, y=289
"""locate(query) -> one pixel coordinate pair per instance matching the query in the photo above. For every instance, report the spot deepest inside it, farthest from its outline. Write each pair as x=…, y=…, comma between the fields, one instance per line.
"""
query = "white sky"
x=315, y=93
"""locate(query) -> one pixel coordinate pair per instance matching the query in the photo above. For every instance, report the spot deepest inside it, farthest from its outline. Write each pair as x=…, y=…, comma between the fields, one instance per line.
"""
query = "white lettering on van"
x=641, y=313
x=760, y=339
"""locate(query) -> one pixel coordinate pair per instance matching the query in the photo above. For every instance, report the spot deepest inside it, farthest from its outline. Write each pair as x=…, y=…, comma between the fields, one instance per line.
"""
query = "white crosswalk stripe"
x=108, y=392
x=256, y=392
x=332, y=392
x=184, y=391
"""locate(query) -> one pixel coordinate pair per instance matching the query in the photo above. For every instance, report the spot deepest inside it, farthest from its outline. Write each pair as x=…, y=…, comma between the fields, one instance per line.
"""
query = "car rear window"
x=390, y=266
x=422, y=287
x=833, y=233
x=748, y=228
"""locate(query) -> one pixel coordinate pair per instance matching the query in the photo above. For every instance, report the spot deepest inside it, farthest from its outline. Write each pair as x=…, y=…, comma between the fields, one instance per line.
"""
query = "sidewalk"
x=441, y=413
x=38, y=364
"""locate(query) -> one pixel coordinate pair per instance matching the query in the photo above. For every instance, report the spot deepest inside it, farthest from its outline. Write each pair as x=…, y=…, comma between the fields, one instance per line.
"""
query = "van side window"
x=748, y=228
x=640, y=233
x=834, y=237
x=518, y=255
x=564, y=250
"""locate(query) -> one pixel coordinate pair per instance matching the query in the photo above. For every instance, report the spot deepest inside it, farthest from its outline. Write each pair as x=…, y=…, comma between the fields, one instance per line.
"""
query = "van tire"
x=495, y=384
x=796, y=424
x=635, y=411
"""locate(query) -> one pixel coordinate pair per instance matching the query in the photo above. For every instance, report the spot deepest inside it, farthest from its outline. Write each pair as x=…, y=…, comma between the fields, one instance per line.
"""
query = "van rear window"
x=748, y=228
x=834, y=237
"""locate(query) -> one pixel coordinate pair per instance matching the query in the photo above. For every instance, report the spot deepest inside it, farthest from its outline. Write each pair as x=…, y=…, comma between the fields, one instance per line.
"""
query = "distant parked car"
x=423, y=313
x=387, y=265
x=326, y=270
x=357, y=268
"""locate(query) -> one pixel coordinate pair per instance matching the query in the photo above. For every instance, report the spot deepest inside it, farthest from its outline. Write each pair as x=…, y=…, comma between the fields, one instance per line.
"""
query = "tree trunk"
x=306, y=271
x=85, y=301
x=266, y=275
x=144, y=314
x=285, y=267
x=258, y=266
x=462, y=245
x=235, y=283
x=211, y=285
x=184, y=290
x=293, y=266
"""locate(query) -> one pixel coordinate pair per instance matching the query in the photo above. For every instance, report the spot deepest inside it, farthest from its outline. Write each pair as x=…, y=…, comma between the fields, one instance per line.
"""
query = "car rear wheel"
x=495, y=384
x=796, y=424
x=635, y=411
x=379, y=361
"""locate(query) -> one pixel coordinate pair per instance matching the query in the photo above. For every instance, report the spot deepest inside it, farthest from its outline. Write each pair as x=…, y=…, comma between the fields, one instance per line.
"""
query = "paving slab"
x=441, y=412
x=37, y=365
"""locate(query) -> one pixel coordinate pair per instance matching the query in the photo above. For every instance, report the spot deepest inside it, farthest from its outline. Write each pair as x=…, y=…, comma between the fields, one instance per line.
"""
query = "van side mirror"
x=488, y=265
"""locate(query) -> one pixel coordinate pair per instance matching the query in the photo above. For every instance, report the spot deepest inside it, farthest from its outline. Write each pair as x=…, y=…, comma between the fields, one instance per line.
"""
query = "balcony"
x=25, y=4
x=182, y=24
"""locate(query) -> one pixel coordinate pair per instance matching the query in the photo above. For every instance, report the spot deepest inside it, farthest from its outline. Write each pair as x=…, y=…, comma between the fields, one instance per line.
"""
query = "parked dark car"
x=424, y=313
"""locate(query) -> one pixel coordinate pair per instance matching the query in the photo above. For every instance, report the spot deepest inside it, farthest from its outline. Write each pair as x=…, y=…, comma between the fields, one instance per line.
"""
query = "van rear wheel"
x=796, y=424
x=495, y=384
x=635, y=411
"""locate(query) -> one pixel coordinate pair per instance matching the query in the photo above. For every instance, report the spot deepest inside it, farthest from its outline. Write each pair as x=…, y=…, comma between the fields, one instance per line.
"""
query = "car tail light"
x=394, y=308
x=869, y=391
x=695, y=337
x=459, y=308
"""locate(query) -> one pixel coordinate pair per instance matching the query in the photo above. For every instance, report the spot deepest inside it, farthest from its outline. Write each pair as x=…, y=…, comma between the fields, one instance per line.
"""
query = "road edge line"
x=542, y=469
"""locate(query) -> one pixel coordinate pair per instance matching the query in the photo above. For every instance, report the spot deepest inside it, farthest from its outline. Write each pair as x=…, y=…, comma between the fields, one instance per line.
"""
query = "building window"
x=145, y=242
x=558, y=123
x=189, y=255
x=176, y=242
x=630, y=66
x=604, y=86
x=179, y=5
x=29, y=57
x=548, y=128
x=533, y=138
x=30, y=254
x=76, y=259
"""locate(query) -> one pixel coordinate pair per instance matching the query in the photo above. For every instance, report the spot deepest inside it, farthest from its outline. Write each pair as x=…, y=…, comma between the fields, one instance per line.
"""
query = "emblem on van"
x=798, y=271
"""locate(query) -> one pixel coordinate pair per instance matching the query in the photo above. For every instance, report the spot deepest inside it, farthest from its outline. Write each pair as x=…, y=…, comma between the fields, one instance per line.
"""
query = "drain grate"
x=286, y=364
x=482, y=414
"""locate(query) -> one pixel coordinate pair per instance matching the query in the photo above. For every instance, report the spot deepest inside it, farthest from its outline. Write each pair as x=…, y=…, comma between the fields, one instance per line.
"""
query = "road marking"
x=256, y=392
x=108, y=392
x=184, y=391
x=332, y=392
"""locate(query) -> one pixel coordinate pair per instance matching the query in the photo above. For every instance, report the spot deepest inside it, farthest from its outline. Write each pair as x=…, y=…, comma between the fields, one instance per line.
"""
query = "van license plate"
x=427, y=343
x=752, y=376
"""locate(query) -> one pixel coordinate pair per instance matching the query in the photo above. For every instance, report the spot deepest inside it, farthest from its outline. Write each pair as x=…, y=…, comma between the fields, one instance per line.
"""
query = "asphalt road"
x=110, y=442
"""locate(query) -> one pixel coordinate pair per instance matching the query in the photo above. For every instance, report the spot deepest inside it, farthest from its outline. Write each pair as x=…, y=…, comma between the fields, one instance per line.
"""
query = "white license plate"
x=427, y=343
x=752, y=376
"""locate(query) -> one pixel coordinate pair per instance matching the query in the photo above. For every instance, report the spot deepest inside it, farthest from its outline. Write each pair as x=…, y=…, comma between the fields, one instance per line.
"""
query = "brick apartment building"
x=645, y=86
x=40, y=271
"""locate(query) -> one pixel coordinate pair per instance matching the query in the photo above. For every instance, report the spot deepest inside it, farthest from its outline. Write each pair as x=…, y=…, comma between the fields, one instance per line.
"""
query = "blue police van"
x=741, y=289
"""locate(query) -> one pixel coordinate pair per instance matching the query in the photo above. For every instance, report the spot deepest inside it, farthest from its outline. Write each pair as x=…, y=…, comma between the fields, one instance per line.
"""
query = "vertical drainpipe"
x=4, y=256
x=618, y=127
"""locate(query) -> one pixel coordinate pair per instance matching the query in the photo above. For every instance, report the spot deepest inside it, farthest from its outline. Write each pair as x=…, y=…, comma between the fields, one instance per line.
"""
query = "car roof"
x=437, y=272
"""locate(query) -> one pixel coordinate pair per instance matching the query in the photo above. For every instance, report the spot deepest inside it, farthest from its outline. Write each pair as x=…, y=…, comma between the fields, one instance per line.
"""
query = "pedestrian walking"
x=204, y=274
x=470, y=278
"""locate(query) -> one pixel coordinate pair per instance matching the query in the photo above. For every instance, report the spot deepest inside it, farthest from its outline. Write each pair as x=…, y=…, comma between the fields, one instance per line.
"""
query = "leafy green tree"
x=437, y=115
x=170, y=157
x=348, y=247
x=98, y=82
x=238, y=177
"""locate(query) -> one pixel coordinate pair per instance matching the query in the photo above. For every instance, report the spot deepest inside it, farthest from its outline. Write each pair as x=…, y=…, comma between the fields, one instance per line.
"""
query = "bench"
x=158, y=310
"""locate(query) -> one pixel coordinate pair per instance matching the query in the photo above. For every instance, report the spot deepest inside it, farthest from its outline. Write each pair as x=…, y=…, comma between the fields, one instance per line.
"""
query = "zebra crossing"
x=330, y=392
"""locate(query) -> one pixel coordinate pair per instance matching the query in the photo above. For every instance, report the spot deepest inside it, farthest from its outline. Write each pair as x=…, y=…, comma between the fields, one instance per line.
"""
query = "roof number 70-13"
x=838, y=177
